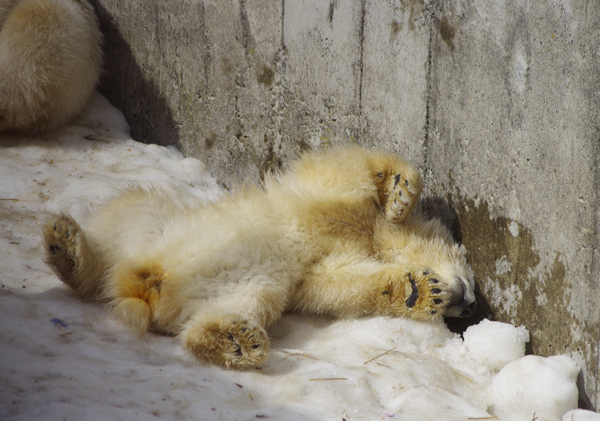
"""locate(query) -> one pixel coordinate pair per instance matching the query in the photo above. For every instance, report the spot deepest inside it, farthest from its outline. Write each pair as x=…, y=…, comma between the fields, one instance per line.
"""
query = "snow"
x=494, y=344
x=545, y=386
x=61, y=358
x=581, y=415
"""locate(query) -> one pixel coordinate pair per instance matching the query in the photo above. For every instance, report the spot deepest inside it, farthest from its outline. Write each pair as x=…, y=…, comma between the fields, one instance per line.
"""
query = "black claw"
x=238, y=352
x=55, y=249
x=426, y=272
x=434, y=281
x=406, y=183
x=255, y=346
x=230, y=337
x=433, y=312
x=436, y=291
x=67, y=234
x=397, y=179
x=437, y=301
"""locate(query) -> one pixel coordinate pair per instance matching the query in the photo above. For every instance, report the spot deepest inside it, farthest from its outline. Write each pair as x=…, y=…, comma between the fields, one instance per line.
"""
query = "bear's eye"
x=380, y=174
x=385, y=293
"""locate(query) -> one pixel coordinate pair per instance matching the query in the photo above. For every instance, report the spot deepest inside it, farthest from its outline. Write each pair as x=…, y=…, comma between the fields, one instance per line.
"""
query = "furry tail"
x=136, y=291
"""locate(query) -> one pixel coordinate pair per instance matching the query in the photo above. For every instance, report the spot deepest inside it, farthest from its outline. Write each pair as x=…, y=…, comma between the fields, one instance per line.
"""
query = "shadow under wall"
x=124, y=85
x=437, y=207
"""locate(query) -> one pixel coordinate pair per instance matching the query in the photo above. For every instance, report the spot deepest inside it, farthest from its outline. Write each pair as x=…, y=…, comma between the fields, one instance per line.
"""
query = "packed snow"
x=61, y=358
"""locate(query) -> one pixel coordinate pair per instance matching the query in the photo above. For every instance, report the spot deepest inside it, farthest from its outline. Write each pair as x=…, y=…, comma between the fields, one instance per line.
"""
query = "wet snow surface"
x=61, y=358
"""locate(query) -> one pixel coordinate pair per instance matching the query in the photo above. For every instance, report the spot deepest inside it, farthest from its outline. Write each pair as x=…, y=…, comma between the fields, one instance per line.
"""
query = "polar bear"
x=50, y=62
x=335, y=235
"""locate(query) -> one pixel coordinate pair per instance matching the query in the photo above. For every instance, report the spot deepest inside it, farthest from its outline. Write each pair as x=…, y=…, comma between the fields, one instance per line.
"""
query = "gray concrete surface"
x=496, y=101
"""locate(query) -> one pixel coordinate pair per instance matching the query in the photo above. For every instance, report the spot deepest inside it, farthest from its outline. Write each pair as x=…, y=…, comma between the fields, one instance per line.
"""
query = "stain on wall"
x=447, y=32
x=516, y=287
x=414, y=8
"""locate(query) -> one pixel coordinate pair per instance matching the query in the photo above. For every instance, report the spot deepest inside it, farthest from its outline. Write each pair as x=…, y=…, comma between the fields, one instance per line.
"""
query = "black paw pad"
x=54, y=249
x=412, y=300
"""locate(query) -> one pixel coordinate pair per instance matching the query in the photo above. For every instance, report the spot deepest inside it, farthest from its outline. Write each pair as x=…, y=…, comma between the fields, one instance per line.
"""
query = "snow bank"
x=61, y=358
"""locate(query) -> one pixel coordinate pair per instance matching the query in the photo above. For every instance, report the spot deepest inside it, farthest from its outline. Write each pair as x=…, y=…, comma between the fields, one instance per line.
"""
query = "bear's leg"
x=230, y=330
x=71, y=257
x=353, y=286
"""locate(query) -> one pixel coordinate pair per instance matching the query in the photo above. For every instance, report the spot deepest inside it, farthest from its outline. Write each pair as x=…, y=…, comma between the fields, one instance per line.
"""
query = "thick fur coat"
x=335, y=235
x=50, y=62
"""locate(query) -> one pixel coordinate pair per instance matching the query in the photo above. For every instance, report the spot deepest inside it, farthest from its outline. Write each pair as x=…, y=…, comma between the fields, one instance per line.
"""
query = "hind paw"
x=64, y=236
x=230, y=341
x=61, y=240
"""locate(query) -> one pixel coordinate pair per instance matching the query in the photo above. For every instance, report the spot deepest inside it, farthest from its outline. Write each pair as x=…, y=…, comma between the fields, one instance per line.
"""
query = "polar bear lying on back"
x=335, y=236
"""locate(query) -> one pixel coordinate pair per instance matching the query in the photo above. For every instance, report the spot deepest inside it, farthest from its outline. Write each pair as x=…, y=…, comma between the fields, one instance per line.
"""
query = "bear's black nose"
x=469, y=310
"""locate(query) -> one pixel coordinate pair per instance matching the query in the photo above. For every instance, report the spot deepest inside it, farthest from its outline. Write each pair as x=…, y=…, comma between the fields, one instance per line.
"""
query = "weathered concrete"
x=249, y=85
x=496, y=101
x=513, y=144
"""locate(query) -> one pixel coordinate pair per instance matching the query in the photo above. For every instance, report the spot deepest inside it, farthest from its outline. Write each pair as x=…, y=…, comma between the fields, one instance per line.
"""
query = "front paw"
x=229, y=341
x=404, y=193
x=428, y=295
x=418, y=294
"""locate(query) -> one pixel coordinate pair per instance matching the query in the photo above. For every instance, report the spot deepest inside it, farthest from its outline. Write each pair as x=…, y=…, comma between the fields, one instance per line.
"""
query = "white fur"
x=50, y=62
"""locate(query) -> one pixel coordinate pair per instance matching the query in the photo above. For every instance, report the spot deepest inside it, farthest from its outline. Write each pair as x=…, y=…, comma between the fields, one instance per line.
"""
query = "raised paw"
x=404, y=193
x=229, y=341
x=61, y=236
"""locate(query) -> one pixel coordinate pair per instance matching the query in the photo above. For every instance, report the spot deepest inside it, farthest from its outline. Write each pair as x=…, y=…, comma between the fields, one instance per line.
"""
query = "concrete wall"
x=497, y=101
x=513, y=144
